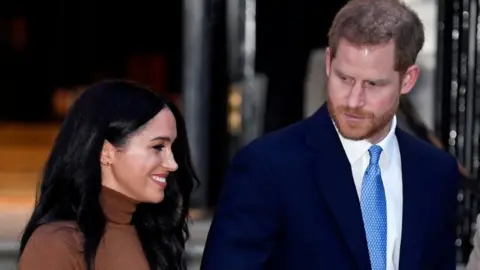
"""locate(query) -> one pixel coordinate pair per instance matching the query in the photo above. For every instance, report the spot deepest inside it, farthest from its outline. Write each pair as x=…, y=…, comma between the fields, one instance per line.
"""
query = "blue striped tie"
x=374, y=211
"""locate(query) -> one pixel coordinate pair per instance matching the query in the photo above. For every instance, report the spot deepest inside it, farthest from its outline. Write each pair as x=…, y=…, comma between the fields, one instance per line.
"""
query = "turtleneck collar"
x=118, y=208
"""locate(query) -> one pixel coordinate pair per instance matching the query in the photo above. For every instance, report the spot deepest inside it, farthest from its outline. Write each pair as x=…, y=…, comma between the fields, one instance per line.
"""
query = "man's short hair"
x=377, y=22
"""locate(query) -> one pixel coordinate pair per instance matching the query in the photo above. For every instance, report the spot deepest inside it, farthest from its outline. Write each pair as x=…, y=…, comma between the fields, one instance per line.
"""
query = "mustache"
x=354, y=112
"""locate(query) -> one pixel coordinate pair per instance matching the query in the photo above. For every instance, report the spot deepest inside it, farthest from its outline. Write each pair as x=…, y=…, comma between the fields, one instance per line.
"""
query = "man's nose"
x=356, y=97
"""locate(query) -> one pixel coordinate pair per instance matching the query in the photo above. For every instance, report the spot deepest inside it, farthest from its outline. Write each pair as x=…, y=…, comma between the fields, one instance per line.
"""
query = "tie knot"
x=375, y=152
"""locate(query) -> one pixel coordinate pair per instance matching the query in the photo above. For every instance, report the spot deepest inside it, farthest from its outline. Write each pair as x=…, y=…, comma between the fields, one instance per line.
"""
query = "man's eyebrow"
x=339, y=73
x=379, y=81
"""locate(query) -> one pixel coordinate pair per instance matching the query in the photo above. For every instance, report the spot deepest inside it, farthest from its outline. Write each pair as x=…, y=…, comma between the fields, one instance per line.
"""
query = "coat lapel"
x=413, y=194
x=333, y=174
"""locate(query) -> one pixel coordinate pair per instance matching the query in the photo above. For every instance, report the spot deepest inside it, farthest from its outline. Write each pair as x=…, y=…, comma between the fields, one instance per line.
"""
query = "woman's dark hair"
x=415, y=123
x=71, y=184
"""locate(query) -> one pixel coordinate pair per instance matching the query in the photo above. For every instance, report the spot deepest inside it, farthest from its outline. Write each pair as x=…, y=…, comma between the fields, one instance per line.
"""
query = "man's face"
x=363, y=89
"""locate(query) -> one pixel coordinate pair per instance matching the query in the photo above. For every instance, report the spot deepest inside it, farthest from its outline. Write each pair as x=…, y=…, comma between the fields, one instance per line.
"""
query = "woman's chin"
x=156, y=197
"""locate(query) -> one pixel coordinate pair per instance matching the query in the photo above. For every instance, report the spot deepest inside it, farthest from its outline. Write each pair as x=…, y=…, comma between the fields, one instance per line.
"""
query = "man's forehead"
x=366, y=50
x=365, y=58
x=362, y=72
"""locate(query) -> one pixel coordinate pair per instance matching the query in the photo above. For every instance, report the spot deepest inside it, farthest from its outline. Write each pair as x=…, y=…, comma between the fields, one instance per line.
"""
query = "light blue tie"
x=374, y=211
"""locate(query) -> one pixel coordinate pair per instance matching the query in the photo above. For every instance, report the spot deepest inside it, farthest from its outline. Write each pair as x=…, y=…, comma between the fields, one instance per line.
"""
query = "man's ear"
x=328, y=61
x=409, y=79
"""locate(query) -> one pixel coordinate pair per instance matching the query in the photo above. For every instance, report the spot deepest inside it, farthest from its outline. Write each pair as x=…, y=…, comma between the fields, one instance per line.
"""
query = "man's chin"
x=354, y=137
x=354, y=134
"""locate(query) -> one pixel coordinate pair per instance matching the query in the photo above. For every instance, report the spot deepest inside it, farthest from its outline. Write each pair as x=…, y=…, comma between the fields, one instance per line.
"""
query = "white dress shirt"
x=391, y=171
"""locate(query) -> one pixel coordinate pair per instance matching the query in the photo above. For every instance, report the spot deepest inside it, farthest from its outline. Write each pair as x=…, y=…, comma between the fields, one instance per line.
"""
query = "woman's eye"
x=159, y=147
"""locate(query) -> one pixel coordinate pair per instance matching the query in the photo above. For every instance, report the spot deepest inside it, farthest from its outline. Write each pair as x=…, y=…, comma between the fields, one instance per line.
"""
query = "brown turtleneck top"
x=59, y=245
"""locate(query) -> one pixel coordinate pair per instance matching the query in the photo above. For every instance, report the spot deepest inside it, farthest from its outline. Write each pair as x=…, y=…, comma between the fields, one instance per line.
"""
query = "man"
x=344, y=189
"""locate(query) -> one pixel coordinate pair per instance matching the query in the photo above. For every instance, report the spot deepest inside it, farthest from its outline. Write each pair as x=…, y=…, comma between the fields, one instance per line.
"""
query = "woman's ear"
x=107, y=154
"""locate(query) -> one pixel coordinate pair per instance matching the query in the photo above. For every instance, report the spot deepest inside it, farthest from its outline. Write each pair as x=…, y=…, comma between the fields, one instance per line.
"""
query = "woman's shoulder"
x=59, y=233
x=55, y=246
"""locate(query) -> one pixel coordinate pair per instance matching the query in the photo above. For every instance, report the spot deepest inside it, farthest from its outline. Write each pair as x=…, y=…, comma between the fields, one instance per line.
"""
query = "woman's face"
x=139, y=168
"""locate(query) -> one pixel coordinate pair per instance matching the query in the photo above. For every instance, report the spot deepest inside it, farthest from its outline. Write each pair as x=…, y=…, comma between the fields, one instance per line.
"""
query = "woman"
x=410, y=121
x=116, y=187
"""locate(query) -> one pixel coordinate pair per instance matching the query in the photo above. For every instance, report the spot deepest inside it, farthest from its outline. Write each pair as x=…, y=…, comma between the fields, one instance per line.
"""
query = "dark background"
x=68, y=44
